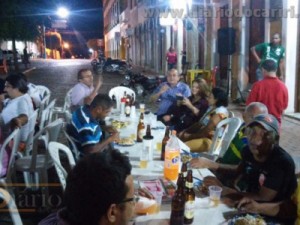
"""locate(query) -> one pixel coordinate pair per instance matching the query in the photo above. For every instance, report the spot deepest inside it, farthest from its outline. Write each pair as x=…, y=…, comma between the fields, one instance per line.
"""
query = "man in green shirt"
x=272, y=51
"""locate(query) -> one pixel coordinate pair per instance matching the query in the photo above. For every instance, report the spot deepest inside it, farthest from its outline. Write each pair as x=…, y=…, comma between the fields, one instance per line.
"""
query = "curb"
x=26, y=71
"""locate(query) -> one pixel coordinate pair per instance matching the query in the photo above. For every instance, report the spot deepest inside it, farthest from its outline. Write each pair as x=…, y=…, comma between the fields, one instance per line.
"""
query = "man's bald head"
x=254, y=109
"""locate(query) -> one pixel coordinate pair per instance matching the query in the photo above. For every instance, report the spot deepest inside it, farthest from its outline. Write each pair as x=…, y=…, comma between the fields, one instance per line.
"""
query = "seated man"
x=84, y=91
x=105, y=196
x=167, y=92
x=266, y=172
x=85, y=129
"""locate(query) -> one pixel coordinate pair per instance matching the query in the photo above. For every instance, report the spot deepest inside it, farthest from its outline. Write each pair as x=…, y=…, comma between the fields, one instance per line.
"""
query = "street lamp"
x=62, y=12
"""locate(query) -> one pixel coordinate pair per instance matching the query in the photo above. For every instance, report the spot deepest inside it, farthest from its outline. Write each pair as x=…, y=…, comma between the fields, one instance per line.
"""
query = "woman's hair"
x=17, y=81
x=220, y=96
x=96, y=182
x=204, y=89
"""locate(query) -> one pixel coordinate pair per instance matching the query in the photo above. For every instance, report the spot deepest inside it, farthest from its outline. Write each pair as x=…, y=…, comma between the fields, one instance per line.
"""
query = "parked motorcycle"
x=141, y=84
x=110, y=65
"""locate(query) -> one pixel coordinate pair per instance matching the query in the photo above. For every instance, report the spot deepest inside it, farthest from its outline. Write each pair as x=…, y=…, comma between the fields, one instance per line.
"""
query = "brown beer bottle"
x=140, y=129
x=164, y=143
x=189, y=207
x=184, y=170
x=148, y=131
x=177, y=213
x=127, y=109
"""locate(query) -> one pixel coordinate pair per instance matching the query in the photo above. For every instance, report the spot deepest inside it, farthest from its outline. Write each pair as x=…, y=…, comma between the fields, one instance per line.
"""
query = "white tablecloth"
x=205, y=213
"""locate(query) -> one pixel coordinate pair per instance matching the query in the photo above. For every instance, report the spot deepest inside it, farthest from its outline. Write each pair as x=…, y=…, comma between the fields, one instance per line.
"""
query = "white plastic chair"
x=43, y=105
x=118, y=92
x=7, y=178
x=44, y=91
x=66, y=109
x=54, y=148
x=31, y=121
x=9, y=202
x=230, y=114
x=46, y=115
x=72, y=145
x=225, y=132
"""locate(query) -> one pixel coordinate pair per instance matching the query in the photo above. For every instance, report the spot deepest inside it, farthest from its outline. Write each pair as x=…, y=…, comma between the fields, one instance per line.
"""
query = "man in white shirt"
x=84, y=91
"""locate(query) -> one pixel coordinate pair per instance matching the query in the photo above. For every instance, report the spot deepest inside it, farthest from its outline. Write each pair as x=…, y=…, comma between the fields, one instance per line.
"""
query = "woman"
x=171, y=58
x=199, y=136
x=190, y=109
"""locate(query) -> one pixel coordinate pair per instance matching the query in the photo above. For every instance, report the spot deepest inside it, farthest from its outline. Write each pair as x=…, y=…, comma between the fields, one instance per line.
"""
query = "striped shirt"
x=84, y=129
x=168, y=98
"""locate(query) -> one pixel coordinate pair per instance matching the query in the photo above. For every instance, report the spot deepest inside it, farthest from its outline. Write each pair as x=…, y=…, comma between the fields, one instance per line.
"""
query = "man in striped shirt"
x=85, y=129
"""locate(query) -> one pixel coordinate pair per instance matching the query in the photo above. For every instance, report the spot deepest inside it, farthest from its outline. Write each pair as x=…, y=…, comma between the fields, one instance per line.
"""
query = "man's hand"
x=249, y=205
x=163, y=89
x=202, y=162
x=110, y=129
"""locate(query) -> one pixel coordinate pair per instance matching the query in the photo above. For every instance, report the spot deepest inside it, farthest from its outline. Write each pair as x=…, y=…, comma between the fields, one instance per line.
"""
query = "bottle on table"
x=172, y=158
x=189, y=207
x=140, y=129
x=147, y=150
x=164, y=142
x=177, y=213
x=127, y=109
x=184, y=170
x=123, y=103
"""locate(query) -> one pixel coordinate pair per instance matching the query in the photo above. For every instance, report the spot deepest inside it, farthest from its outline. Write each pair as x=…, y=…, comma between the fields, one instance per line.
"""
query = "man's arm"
x=281, y=68
x=254, y=53
x=87, y=100
x=18, y=121
x=155, y=96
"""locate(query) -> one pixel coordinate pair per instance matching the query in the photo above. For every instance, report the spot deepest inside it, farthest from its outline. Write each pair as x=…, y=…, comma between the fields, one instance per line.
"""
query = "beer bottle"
x=140, y=129
x=184, y=170
x=164, y=143
x=177, y=213
x=127, y=109
x=189, y=207
x=148, y=131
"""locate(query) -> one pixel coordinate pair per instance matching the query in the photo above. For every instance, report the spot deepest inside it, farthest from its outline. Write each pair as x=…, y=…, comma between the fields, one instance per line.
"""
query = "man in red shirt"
x=270, y=91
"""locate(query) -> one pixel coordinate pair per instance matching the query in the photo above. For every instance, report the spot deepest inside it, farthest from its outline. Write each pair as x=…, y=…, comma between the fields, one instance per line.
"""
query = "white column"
x=179, y=47
x=289, y=40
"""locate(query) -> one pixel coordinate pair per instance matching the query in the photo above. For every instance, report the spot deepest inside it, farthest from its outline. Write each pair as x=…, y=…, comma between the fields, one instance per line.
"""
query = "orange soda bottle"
x=172, y=158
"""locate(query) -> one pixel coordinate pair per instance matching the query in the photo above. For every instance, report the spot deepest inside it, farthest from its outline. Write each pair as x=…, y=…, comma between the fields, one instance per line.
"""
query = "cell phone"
x=178, y=97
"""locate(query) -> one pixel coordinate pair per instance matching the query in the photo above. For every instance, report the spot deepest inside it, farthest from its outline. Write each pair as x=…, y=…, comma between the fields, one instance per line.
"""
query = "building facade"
x=143, y=30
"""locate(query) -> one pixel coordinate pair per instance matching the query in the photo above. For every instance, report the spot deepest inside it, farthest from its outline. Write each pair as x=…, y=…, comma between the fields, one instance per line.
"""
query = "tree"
x=19, y=21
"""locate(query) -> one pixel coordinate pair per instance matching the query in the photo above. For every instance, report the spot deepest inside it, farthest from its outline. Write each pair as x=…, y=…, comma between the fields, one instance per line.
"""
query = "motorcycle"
x=110, y=65
x=141, y=84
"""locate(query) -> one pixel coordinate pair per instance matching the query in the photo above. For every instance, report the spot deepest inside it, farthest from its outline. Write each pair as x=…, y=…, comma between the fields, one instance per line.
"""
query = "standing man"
x=85, y=129
x=25, y=57
x=270, y=91
x=168, y=91
x=272, y=51
x=84, y=91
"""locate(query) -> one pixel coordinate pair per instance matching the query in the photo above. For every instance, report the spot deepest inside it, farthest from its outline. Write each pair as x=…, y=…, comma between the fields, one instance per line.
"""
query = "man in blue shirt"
x=85, y=129
x=168, y=91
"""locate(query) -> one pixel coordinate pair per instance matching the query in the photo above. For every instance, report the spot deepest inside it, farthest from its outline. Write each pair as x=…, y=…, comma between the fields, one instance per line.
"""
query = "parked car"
x=8, y=54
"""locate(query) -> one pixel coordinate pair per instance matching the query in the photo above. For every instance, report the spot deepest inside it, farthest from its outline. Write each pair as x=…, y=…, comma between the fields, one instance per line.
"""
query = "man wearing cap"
x=266, y=172
x=271, y=91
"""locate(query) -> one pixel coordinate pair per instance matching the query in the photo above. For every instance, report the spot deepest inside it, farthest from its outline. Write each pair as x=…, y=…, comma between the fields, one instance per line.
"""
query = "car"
x=8, y=54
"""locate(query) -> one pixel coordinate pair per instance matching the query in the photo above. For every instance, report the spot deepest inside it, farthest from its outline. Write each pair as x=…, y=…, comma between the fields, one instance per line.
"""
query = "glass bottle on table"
x=127, y=109
x=123, y=103
x=164, y=143
x=184, y=170
x=140, y=129
x=189, y=207
x=177, y=213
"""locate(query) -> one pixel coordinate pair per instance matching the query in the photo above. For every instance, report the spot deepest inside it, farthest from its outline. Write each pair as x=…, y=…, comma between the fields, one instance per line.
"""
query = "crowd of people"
x=256, y=174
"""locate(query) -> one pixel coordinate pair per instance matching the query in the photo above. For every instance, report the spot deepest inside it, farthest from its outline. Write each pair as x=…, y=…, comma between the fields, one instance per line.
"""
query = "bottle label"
x=184, y=174
x=189, y=209
x=189, y=184
x=141, y=133
x=171, y=165
x=127, y=110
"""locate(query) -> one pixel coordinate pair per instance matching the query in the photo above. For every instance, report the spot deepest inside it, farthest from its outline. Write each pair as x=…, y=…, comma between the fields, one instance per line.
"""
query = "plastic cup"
x=158, y=199
x=215, y=194
x=142, y=108
x=158, y=146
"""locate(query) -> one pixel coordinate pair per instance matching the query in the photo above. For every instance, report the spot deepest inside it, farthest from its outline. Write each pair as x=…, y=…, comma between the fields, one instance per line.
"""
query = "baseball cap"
x=268, y=121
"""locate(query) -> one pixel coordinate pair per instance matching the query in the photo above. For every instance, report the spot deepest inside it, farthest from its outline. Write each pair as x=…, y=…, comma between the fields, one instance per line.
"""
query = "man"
x=266, y=172
x=84, y=92
x=270, y=91
x=85, y=129
x=167, y=92
x=99, y=191
x=273, y=51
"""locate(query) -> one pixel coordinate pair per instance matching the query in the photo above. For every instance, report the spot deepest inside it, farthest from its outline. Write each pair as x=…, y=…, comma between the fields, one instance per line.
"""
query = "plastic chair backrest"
x=73, y=146
x=8, y=201
x=46, y=114
x=44, y=91
x=54, y=148
x=67, y=103
x=230, y=114
x=225, y=132
x=118, y=92
x=32, y=122
x=15, y=138
x=43, y=105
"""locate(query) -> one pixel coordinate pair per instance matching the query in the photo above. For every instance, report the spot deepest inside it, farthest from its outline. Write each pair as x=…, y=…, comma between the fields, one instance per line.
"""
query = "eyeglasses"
x=251, y=131
x=135, y=199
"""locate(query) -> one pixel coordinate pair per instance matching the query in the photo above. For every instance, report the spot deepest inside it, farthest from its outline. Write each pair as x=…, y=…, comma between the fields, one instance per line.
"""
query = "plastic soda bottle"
x=172, y=158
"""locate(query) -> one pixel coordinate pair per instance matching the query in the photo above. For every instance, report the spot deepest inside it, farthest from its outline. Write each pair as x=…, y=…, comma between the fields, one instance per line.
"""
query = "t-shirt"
x=270, y=51
x=79, y=92
x=84, y=129
x=172, y=57
x=15, y=107
x=276, y=173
